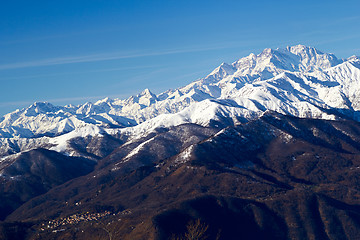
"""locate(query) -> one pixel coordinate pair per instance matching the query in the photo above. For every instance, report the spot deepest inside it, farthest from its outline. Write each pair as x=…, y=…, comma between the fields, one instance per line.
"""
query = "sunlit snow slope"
x=300, y=81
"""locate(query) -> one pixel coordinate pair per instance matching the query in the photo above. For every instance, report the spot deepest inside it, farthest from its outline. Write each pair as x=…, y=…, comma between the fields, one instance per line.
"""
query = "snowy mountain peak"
x=222, y=71
x=145, y=98
x=271, y=62
x=106, y=100
x=313, y=59
x=299, y=49
x=298, y=58
x=298, y=80
x=354, y=59
x=146, y=92
x=267, y=52
x=40, y=107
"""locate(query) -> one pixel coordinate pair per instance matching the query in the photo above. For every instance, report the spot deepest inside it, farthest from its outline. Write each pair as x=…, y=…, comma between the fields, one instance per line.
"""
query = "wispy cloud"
x=122, y=55
x=62, y=100
x=85, y=98
x=102, y=57
x=15, y=103
x=39, y=38
x=339, y=39
x=140, y=78
x=190, y=75
x=79, y=72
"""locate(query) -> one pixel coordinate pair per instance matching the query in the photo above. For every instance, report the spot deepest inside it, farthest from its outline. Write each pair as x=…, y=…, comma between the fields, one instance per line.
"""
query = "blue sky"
x=76, y=51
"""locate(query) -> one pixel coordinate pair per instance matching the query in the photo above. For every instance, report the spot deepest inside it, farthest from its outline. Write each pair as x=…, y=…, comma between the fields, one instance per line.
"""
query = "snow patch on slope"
x=60, y=143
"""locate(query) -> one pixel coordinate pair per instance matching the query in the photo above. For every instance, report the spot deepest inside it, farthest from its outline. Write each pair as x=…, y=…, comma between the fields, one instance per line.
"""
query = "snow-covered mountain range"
x=300, y=81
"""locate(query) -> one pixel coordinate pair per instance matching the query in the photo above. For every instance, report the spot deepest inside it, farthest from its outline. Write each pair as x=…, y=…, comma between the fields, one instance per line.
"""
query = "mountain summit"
x=266, y=147
x=299, y=80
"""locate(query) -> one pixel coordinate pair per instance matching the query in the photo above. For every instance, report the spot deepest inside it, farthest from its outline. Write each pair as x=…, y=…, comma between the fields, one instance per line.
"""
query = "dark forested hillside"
x=277, y=177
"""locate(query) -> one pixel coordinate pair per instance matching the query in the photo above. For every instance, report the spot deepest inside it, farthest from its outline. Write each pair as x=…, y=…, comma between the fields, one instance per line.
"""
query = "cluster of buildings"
x=74, y=219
